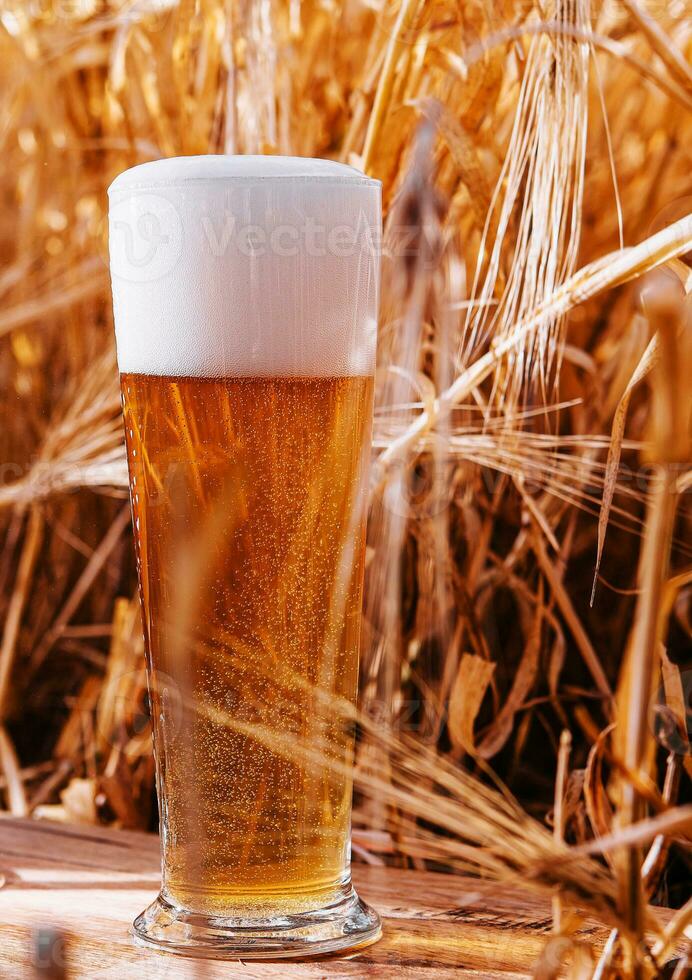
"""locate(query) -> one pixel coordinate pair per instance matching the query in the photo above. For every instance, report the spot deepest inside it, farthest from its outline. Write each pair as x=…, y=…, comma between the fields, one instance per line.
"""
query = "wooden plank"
x=90, y=883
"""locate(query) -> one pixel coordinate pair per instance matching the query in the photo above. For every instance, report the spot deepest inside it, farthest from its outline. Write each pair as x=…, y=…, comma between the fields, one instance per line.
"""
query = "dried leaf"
x=597, y=803
x=468, y=691
x=675, y=699
x=79, y=801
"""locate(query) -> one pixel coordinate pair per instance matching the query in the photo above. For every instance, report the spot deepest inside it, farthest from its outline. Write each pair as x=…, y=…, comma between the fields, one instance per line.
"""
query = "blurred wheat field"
x=532, y=419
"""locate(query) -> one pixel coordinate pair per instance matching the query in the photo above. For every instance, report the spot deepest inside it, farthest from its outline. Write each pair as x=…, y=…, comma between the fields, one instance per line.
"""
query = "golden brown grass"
x=532, y=420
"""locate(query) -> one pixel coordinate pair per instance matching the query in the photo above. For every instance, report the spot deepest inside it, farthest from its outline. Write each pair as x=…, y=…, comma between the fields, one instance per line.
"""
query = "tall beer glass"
x=245, y=301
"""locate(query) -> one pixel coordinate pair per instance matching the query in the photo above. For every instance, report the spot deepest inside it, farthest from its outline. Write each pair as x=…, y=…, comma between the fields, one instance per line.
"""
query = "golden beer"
x=248, y=503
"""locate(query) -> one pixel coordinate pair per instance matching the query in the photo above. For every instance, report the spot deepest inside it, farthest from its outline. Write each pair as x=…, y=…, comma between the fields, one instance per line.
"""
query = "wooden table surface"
x=90, y=883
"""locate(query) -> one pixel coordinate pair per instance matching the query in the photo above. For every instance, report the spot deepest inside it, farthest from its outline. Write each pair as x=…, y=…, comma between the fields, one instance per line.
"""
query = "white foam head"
x=245, y=266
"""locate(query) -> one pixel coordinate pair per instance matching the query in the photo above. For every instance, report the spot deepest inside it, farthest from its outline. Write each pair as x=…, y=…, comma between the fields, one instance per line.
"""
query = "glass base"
x=348, y=924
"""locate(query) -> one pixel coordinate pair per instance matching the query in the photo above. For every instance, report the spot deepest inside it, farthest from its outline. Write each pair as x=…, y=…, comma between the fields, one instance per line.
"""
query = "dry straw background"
x=532, y=420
